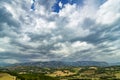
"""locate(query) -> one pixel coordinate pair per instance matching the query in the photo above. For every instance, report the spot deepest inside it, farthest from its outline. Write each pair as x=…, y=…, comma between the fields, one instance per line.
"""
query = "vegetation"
x=6, y=76
x=67, y=73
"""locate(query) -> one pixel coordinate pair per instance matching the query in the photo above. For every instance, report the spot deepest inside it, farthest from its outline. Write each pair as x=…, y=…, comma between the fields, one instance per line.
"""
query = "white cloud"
x=24, y=38
x=60, y=4
x=109, y=12
x=2, y=50
x=66, y=49
x=63, y=49
x=5, y=44
x=56, y=38
x=81, y=45
x=39, y=59
x=4, y=40
x=61, y=34
x=68, y=10
x=10, y=61
x=75, y=18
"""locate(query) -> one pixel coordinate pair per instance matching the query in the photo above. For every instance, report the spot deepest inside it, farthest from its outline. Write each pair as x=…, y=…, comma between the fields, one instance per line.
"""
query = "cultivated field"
x=63, y=73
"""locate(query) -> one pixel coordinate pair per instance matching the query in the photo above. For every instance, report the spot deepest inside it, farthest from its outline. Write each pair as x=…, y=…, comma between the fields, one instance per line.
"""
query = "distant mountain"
x=115, y=64
x=91, y=63
x=56, y=64
x=4, y=64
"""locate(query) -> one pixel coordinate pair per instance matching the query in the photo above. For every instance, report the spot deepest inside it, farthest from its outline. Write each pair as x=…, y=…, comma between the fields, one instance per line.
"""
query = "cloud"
x=67, y=48
x=2, y=50
x=80, y=31
x=10, y=61
x=109, y=12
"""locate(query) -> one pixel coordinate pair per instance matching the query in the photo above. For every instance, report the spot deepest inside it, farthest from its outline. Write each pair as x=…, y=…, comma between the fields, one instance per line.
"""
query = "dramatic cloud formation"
x=69, y=30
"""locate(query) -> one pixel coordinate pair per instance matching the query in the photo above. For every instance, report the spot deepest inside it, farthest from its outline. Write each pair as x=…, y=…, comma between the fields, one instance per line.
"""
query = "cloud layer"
x=87, y=31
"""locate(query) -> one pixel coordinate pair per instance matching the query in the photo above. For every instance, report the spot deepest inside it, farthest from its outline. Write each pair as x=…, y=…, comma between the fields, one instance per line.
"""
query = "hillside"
x=54, y=64
x=6, y=76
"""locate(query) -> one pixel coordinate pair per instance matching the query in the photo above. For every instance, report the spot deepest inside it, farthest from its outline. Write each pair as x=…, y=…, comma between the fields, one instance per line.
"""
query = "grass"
x=117, y=75
x=35, y=76
x=61, y=73
x=5, y=76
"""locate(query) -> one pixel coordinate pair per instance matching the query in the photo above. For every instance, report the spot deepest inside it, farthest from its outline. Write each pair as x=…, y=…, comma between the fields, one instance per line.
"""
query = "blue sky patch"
x=56, y=7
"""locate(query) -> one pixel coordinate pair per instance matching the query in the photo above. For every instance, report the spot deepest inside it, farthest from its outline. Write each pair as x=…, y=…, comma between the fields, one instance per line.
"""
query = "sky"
x=59, y=30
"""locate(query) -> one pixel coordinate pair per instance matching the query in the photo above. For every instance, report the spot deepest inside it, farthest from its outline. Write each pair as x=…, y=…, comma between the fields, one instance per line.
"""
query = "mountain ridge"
x=56, y=64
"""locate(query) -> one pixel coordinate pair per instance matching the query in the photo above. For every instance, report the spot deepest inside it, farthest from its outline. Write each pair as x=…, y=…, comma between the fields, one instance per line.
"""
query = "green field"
x=66, y=73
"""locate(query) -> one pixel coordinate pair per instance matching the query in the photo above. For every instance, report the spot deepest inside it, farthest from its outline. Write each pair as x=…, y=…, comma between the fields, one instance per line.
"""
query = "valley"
x=63, y=73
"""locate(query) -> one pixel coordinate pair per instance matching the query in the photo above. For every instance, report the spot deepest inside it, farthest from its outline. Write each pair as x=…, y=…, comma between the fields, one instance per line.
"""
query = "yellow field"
x=5, y=76
x=61, y=73
x=117, y=75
